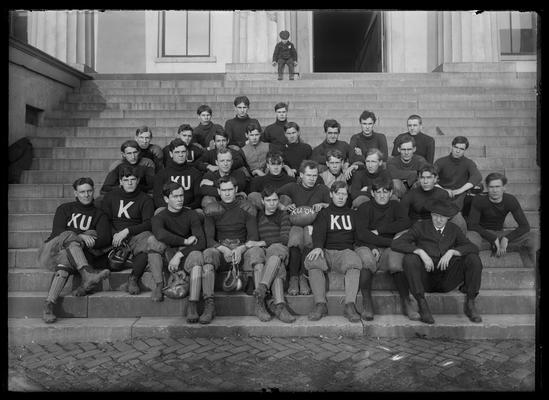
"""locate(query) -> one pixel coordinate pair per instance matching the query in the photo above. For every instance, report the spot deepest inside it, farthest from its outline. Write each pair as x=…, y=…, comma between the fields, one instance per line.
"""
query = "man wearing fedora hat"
x=438, y=257
x=285, y=53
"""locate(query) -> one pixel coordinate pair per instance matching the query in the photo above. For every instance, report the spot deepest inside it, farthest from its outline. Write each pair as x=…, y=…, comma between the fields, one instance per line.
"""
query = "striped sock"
x=208, y=281
x=258, y=273
x=270, y=271
x=318, y=285
x=278, y=290
x=196, y=280
x=351, y=284
x=76, y=255
x=57, y=284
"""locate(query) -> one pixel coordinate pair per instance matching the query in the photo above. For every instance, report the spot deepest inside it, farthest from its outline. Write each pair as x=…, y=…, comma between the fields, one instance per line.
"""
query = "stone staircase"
x=495, y=110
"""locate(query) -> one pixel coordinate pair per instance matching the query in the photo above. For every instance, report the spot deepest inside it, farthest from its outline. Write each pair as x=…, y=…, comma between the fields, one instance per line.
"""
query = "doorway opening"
x=347, y=41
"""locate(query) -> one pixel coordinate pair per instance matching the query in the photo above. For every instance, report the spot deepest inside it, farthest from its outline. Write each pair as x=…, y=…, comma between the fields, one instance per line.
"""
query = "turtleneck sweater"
x=128, y=210
x=236, y=129
x=387, y=219
x=184, y=174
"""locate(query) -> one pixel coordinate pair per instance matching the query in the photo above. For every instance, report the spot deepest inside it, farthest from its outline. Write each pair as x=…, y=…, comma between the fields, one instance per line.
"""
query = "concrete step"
x=39, y=280
x=117, y=304
x=302, y=105
x=24, y=331
x=288, y=94
x=44, y=190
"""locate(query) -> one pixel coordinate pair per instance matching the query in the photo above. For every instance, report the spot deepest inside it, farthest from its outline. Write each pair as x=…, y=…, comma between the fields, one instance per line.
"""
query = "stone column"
x=254, y=37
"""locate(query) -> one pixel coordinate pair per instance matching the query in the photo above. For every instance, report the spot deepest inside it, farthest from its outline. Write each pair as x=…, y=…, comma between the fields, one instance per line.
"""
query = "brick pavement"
x=269, y=364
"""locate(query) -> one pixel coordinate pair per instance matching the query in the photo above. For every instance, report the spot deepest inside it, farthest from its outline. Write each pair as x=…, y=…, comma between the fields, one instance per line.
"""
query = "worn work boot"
x=425, y=312
x=260, y=309
x=47, y=314
x=366, y=278
x=250, y=286
x=409, y=310
x=471, y=311
x=304, y=287
x=133, y=285
x=282, y=313
x=90, y=279
x=209, y=311
x=350, y=313
x=320, y=310
x=293, y=286
x=157, y=294
x=192, y=313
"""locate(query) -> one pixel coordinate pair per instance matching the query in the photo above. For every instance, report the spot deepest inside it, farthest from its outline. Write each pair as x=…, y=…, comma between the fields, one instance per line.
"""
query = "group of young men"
x=240, y=195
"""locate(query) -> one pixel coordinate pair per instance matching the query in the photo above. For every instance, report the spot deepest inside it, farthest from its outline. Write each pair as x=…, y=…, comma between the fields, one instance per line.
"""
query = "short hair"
x=224, y=151
x=184, y=127
x=338, y=185
x=268, y=191
x=461, y=140
x=427, y=168
x=241, y=99
x=405, y=139
x=202, y=108
x=311, y=164
x=332, y=123
x=494, y=176
x=82, y=181
x=169, y=187
x=274, y=156
x=130, y=143
x=281, y=105
x=367, y=114
x=289, y=125
x=221, y=132
x=143, y=129
x=373, y=150
x=334, y=153
x=226, y=179
x=415, y=116
x=381, y=183
x=128, y=170
x=252, y=126
x=176, y=143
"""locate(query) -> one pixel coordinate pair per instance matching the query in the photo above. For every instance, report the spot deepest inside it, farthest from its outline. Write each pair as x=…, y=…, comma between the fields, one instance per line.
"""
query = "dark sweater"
x=128, y=210
x=302, y=196
x=236, y=129
x=154, y=152
x=234, y=223
x=277, y=181
x=172, y=228
x=319, y=152
x=145, y=175
x=375, y=141
x=405, y=171
x=294, y=153
x=453, y=173
x=388, y=220
x=274, y=228
x=207, y=190
x=334, y=228
x=203, y=134
x=416, y=201
x=184, y=174
x=425, y=146
x=487, y=215
x=363, y=178
x=79, y=218
x=285, y=51
x=274, y=134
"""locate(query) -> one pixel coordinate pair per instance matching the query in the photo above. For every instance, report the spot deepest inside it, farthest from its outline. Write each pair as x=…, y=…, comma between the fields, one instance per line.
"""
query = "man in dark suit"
x=438, y=257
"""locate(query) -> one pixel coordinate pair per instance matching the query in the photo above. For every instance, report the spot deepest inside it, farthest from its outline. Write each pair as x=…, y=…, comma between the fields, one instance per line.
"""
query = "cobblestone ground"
x=272, y=364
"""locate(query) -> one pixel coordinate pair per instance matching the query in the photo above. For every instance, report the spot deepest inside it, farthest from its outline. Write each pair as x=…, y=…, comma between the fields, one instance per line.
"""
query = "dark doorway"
x=347, y=41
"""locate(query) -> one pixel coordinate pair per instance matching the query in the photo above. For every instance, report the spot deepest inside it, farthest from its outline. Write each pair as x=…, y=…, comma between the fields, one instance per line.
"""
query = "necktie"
x=439, y=231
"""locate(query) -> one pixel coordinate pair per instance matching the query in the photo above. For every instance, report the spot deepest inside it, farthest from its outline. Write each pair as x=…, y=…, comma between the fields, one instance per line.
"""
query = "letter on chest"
x=123, y=209
x=185, y=181
x=80, y=221
x=340, y=222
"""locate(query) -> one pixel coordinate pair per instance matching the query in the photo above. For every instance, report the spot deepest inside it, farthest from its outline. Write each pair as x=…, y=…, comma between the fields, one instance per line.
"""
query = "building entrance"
x=347, y=41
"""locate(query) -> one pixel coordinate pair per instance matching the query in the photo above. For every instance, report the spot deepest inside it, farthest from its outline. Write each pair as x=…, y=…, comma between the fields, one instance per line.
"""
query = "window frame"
x=187, y=55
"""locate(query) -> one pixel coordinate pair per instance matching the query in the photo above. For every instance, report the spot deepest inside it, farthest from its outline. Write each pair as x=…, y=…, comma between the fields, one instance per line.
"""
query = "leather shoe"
x=425, y=312
x=319, y=311
x=471, y=311
x=350, y=313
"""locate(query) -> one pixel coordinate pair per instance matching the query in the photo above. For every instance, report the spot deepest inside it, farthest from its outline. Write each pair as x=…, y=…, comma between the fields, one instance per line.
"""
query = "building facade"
x=232, y=41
